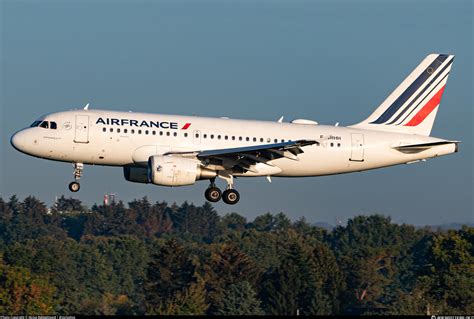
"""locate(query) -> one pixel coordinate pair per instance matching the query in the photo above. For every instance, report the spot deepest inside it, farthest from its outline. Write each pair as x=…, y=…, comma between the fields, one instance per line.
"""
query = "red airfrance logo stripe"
x=186, y=126
x=427, y=109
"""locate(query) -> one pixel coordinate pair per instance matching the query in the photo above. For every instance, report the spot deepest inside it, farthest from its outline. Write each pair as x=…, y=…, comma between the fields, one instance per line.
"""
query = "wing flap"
x=245, y=158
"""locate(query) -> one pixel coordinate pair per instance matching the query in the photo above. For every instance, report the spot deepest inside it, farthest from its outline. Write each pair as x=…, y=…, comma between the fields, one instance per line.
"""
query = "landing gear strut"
x=75, y=186
x=229, y=196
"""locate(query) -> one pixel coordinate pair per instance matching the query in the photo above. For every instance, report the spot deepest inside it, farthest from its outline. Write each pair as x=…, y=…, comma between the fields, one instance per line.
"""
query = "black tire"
x=74, y=187
x=213, y=194
x=231, y=196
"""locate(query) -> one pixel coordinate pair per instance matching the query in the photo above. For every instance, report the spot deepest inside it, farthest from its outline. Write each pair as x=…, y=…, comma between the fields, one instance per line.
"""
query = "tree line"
x=156, y=258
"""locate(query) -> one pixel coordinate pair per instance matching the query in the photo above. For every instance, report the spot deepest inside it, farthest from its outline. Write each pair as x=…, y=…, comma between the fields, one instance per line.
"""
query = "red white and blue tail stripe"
x=413, y=105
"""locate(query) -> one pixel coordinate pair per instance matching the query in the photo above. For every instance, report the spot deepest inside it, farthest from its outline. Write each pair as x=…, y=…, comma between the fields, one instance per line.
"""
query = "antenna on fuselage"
x=280, y=120
x=86, y=107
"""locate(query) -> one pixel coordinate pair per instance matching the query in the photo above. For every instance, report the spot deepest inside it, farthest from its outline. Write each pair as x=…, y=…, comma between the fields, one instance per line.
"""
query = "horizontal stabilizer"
x=417, y=148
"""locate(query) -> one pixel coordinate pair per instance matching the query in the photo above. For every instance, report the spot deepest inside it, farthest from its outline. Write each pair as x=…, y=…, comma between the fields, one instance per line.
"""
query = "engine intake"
x=176, y=171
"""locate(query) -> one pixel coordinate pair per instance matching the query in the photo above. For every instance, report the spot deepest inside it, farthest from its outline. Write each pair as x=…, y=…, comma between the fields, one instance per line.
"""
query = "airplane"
x=174, y=150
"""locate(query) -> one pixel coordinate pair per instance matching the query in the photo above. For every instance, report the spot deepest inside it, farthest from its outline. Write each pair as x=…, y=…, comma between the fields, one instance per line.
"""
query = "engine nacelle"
x=135, y=174
x=176, y=171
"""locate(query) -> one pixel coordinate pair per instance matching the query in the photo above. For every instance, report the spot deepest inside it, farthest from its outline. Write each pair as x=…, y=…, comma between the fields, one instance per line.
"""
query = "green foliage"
x=155, y=258
x=170, y=271
x=21, y=293
x=198, y=223
x=307, y=281
x=240, y=299
x=191, y=301
x=374, y=255
x=28, y=219
x=234, y=221
x=227, y=265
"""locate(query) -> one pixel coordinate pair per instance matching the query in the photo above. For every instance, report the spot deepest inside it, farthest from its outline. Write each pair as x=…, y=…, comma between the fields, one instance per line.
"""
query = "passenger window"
x=104, y=129
x=332, y=144
x=139, y=131
x=233, y=138
x=240, y=138
x=111, y=129
x=275, y=141
x=125, y=130
x=212, y=136
x=132, y=131
x=254, y=139
x=338, y=144
x=161, y=133
x=146, y=132
x=261, y=139
x=167, y=133
x=175, y=134
x=185, y=134
x=44, y=124
x=247, y=138
x=153, y=132
x=197, y=135
x=204, y=135
x=118, y=130
x=218, y=137
x=53, y=125
x=226, y=137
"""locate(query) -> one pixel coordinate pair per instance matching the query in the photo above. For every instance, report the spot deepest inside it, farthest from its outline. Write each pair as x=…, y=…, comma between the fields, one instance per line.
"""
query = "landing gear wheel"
x=213, y=194
x=74, y=187
x=230, y=196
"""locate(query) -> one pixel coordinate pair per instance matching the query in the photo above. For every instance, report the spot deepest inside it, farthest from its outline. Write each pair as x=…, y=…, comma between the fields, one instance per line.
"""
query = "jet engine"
x=176, y=171
x=135, y=174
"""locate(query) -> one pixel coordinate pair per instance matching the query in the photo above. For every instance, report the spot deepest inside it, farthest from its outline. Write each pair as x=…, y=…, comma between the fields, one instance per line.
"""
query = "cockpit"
x=45, y=124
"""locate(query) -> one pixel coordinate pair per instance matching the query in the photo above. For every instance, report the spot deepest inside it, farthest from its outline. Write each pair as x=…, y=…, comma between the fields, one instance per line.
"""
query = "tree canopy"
x=155, y=258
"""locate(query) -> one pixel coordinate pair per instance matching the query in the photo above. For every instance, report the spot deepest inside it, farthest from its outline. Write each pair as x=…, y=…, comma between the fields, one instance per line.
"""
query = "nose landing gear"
x=229, y=196
x=75, y=186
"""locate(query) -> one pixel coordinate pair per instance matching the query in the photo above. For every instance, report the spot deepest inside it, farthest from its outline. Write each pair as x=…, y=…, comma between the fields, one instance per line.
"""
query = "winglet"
x=86, y=107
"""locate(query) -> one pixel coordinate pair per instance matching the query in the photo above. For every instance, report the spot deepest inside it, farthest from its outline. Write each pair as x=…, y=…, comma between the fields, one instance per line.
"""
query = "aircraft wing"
x=243, y=158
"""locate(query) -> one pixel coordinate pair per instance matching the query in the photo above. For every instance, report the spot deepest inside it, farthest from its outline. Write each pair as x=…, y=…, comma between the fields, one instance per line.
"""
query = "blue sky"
x=330, y=61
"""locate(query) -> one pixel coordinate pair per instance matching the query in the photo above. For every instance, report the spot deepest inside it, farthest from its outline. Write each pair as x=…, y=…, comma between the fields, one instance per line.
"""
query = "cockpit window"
x=45, y=124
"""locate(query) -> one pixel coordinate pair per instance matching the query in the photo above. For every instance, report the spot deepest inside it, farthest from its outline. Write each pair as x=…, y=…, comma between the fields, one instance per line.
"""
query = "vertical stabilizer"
x=412, y=106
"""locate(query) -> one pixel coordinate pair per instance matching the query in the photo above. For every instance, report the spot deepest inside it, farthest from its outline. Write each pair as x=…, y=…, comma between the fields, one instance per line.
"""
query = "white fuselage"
x=126, y=138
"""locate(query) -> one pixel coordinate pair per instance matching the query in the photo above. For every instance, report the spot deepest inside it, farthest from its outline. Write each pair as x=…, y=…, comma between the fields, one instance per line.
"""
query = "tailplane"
x=412, y=106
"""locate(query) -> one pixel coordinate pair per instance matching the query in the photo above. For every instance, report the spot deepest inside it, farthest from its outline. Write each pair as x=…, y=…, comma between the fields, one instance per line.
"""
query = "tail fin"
x=412, y=106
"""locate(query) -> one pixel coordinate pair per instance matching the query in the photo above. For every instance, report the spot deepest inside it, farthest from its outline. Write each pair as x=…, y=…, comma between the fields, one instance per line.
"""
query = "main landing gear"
x=75, y=186
x=229, y=196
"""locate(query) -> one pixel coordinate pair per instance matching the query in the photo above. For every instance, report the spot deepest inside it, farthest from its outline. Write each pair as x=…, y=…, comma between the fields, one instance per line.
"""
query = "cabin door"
x=357, y=147
x=82, y=129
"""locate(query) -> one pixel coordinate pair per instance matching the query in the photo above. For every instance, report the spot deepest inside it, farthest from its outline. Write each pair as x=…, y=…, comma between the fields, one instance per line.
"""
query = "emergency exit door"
x=357, y=147
x=82, y=129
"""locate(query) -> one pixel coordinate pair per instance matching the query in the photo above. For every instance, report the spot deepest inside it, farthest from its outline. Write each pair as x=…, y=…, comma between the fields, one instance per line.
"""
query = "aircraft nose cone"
x=17, y=141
